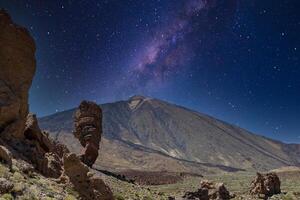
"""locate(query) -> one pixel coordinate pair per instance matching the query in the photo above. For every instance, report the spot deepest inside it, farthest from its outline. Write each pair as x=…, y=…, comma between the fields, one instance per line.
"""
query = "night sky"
x=237, y=60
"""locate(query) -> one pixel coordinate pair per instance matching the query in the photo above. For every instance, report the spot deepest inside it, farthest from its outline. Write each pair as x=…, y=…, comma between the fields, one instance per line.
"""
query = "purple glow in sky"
x=166, y=53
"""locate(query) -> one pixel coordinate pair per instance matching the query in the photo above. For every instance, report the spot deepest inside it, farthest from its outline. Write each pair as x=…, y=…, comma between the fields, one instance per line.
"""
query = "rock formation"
x=88, y=186
x=17, y=67
x=209, y=190
x=20, y=132
x=21, y=139
x=43, y=153
x=265, y=185
x=88, y=129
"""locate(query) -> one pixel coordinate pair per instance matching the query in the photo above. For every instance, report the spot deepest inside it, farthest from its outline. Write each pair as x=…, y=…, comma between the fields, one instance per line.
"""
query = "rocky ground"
x=15, y=184
x=236, y=183
x=19, y=185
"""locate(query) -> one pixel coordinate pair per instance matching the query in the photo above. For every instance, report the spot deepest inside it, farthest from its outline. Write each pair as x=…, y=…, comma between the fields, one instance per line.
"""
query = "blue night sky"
x=237, y=60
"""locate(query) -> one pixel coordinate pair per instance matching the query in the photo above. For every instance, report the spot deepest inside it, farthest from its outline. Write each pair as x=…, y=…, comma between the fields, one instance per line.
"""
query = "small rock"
x=209, y=190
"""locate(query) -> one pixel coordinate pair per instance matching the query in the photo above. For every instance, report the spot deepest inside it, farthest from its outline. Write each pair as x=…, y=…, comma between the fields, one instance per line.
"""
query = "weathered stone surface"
x=88, y=186
x=266, y=185
x=5, y=186
x=209, y=190
x=5, y=156
x=41, y=150
x=33, y=133
x=88, y=129
x=17, y=67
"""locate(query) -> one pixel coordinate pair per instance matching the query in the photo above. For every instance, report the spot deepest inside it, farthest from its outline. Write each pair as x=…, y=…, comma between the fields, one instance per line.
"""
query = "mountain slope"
x=158, y=129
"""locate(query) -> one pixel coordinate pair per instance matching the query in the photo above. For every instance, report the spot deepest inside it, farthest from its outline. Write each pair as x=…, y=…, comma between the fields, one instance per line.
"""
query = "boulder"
x=209, y=190
x=86, y=184
x=88, y=130
x=17, y=67
x=265, y=185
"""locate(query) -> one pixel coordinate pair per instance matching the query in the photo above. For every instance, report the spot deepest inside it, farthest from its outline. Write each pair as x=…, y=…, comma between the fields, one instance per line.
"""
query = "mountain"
x=149, y=134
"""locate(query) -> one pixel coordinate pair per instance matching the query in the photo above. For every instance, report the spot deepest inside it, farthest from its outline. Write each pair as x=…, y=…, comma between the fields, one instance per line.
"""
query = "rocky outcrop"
x=43, y=152
x=88, y=129
x=86, y=184
x=265, y=185
x=20, y=130
x=34, y=134
x=17, y=67
x=209, y=190
x=21, y=139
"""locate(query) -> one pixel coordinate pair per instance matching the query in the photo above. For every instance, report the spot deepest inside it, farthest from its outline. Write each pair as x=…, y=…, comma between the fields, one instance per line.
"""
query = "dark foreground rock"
x=209, y=190
x=265, y=185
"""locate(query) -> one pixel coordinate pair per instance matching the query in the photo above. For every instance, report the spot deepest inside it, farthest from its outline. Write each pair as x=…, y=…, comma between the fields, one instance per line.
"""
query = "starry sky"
x=237, y=60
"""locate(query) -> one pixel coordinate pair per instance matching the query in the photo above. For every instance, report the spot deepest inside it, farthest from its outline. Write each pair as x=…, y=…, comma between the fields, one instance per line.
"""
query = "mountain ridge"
x=181, y=133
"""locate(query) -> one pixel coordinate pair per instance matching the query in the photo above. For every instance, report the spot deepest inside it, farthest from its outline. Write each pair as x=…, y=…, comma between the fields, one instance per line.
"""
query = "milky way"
x=167, y=52
x=237, y=60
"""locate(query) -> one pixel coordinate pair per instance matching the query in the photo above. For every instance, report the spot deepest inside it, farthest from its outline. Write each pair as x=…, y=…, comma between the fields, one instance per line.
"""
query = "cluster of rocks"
x=265, y=185
x=209, y=190
x=76, y=167
x=21, y=138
